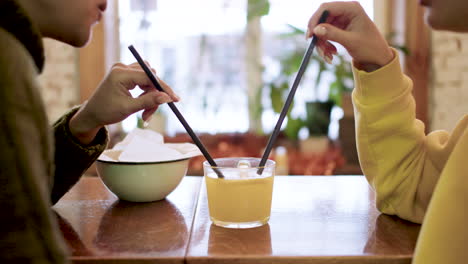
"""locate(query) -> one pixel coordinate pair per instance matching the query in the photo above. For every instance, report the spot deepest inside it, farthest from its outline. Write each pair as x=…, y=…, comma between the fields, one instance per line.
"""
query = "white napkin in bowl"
x=145, y=145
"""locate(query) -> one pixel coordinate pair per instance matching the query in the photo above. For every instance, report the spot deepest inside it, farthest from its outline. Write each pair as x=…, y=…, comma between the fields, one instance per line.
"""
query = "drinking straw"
x=302, y=68
x=176, y=112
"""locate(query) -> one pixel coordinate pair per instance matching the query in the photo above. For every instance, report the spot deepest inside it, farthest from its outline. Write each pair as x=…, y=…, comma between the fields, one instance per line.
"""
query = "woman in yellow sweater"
x=419, y=177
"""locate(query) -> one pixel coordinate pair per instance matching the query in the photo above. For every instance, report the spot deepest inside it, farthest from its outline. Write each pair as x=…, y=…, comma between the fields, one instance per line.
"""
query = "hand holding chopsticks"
x=174, y=109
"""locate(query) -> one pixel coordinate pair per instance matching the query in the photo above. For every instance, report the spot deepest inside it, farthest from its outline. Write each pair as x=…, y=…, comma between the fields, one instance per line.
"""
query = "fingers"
x=136, y=65
x=131, y=77
x=148, y=101
x=164, y=85
x=119, y=64
x=145, y=84
x=148, y=113
x=330, y=32
x=314, y=20
x=349, y=25
x=340, y=15
x=339, y=24
x=335, y=9
x=326, y=50
x=168, y=90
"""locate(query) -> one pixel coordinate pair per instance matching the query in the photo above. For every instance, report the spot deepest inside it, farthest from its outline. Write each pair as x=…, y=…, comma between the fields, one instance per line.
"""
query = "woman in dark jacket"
x=39, y=164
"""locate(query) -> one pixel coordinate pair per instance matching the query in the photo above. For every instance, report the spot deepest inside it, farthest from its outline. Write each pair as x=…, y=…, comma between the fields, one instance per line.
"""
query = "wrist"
x=380, y=62
x=82, y=129
x=386, y=58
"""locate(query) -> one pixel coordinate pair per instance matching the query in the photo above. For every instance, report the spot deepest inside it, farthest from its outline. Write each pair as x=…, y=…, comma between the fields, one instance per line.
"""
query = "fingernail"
x=328, y=59
x=307, y=33
x=163, y=98
x=320, y=52
x=320, y=30
x=148, y=119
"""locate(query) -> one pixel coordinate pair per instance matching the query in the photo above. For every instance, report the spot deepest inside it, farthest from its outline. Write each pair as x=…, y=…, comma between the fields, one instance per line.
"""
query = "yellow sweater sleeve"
x=400, y=162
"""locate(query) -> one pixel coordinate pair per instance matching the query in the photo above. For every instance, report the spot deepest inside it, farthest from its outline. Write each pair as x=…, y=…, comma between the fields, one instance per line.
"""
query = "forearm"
x=72, y=158
x=390, y=140
x=82, y=127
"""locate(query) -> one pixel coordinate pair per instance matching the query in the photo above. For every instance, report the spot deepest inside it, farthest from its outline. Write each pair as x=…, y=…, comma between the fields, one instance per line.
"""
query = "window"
x=197, y=47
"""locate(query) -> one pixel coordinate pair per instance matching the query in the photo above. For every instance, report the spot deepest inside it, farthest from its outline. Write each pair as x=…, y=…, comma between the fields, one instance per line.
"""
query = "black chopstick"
x=284, y=111
x=176, y=112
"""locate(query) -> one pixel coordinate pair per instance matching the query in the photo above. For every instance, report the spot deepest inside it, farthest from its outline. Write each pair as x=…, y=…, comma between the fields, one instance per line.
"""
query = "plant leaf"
x=292, y=127
x=257, y=8
x=334, y=94
x=276, y=98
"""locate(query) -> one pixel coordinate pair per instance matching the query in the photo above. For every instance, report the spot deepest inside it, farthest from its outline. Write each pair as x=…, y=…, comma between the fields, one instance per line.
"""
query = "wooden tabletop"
x=99, y=228
x=314, y=219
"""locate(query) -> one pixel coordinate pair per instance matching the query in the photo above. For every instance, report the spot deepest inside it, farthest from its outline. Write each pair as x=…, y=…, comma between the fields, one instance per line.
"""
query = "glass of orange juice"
x=242, y=198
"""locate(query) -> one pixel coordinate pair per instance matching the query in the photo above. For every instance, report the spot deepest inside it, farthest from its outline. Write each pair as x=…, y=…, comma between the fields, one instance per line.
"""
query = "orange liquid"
x=239, y=200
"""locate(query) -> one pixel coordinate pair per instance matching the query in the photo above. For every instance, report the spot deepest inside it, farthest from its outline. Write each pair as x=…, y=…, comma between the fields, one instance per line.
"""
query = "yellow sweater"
x=408, y=169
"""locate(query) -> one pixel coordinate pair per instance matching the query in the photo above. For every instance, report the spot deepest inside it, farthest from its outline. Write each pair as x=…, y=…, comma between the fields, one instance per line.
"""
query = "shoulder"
x=17, y=68
x=15, y=61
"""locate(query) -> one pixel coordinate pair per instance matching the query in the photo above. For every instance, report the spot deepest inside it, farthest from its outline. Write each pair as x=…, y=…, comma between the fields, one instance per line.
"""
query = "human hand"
x=112, y=101
x=349, y=25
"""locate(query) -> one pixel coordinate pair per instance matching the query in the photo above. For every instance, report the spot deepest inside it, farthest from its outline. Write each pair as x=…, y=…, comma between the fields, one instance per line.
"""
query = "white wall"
x=449, y=79
x=60, y=78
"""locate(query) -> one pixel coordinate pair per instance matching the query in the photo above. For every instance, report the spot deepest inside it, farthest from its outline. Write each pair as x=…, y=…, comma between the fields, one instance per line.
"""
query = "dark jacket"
x=38, y=163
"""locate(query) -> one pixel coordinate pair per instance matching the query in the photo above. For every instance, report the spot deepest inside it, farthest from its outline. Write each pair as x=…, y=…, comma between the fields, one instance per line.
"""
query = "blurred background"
x=233, y=62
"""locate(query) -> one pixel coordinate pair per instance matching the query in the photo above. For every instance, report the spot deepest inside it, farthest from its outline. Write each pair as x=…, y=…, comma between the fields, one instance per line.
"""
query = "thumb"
x=329, y=32
x=149, y=100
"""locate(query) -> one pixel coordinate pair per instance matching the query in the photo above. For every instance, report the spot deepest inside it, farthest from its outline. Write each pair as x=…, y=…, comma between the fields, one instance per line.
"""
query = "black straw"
x=284, y=111
x=176, y=112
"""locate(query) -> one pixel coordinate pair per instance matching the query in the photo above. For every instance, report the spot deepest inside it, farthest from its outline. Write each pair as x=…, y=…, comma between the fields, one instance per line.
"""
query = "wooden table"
x=314, y=219
x=99, y=228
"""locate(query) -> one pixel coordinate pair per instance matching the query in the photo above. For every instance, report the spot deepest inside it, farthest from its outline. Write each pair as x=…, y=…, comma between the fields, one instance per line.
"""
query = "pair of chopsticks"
x=274, y=135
